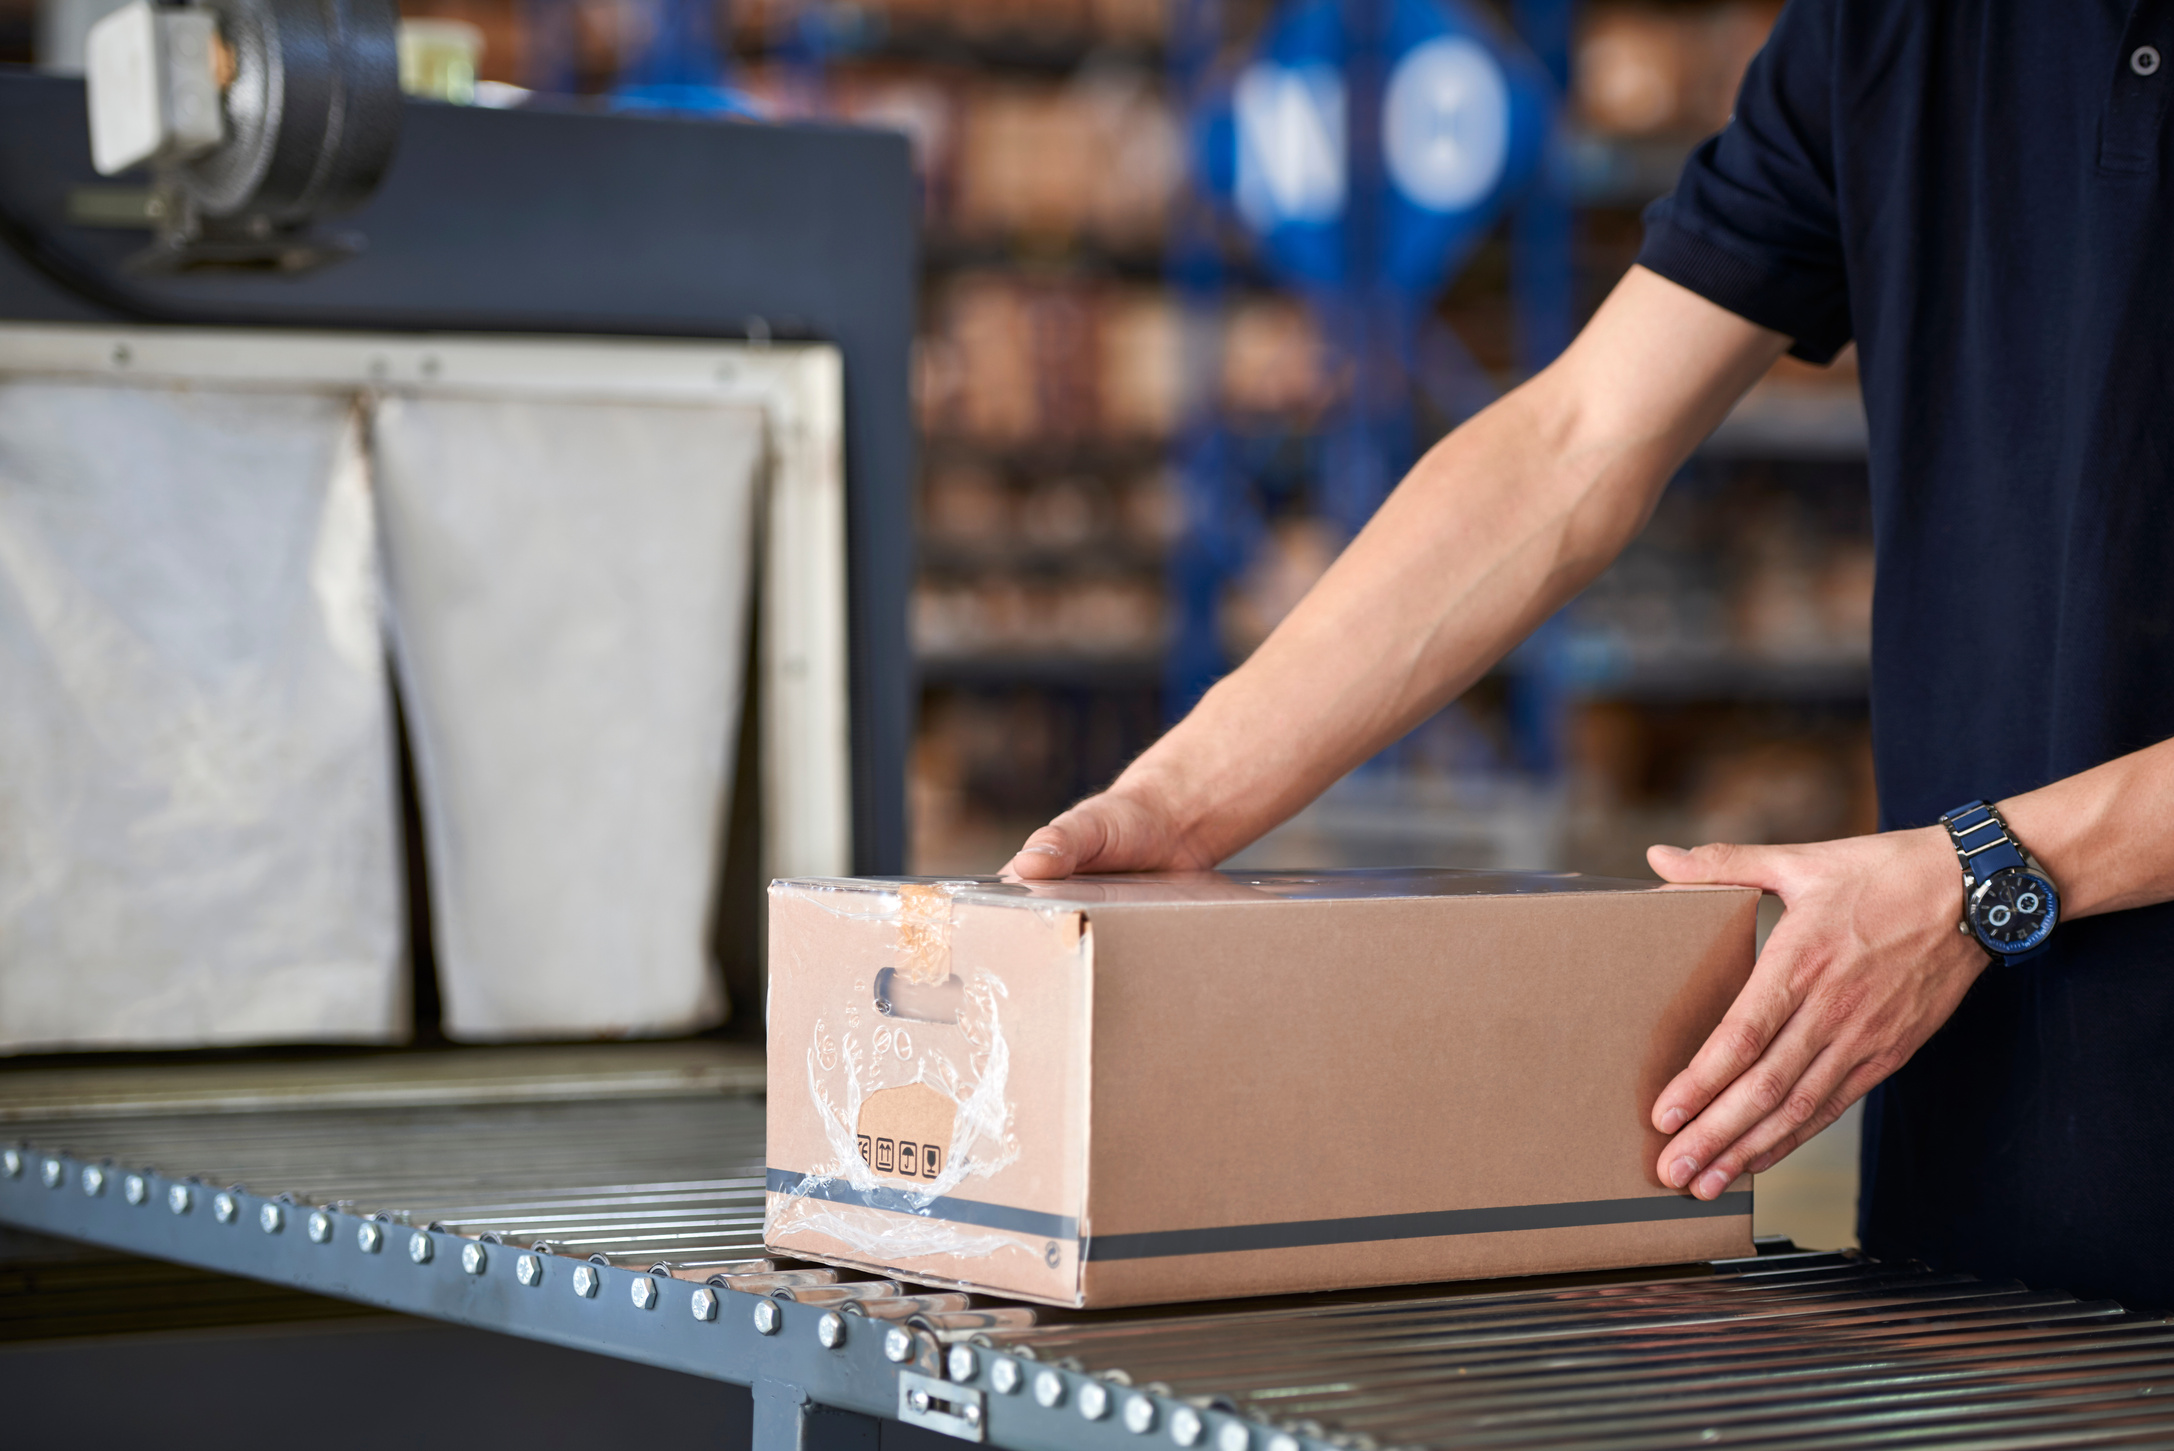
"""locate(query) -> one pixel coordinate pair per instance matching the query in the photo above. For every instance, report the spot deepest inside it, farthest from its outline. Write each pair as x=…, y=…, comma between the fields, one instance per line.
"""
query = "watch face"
x=2014, y=911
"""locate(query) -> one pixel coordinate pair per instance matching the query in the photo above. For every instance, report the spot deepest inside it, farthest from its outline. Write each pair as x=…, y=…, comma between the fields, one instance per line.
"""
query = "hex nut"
x=643, y=1292
x=51, y=1172
x=225, y=1208
x=585, y=1281
x=768, y=1318
x=1140, y=1415
x=528, y=1269
x=135, y=1189
x=420, y=1248
x=473, y=1258
x=178, y=1198
x=898, y=1344
x=320, y=1227
x=1094, y=1400
x=830, y=1330
x=960, y=1362
x=1233, y=1437
x=1185, y=1426
x=11, y=1161
x=370, y=1236
x=270, y=1217
x=704, y=1304
x=1005, y=1374
x=1049, y=1389
x=94, y=1180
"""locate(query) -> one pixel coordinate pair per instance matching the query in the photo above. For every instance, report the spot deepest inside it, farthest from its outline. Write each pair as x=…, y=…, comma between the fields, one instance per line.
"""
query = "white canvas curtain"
x=570, y=588
x=196, y=798
x=197, y=812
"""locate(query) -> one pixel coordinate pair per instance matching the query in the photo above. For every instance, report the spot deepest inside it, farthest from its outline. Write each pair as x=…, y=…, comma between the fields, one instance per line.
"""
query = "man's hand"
x=1116, y=831
x=1865, y=965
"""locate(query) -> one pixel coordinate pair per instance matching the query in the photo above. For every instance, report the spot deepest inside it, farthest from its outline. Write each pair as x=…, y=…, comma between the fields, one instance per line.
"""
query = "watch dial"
x=2014, y=911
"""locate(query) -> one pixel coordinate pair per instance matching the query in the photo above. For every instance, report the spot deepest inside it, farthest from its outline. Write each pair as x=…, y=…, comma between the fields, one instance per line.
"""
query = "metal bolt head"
x=50, y=1172
x=1049, y=1389
x=970, y=1413
x=1094, y=1400
x=94, y=1180
x=960, y=1362
x=11, y=1162
x=768, y=1317
x=830, y=1330
x=1005, y=1374
x=370, y=1236
x=178, y=1198
x=270, y=1217
x=135, y=1189
x=528, y=1269
x=919, y=1400
x=419, y=1247
x=473, y=1258
x=704, y=1304
x=1185, y=1426
x=898, y=1344
x=1284, y=1442
x=320, y=1227
x=1233, y=1437
x=643, y=1292
x=1140, y=1415
x=585, y=1280
x=225, y=1208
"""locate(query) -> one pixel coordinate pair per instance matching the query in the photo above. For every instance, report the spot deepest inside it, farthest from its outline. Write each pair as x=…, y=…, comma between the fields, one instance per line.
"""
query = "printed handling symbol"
x=902, y=1156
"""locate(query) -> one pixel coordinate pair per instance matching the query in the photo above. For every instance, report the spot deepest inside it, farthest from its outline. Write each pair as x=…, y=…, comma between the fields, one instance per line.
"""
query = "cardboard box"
x=1121, y=1090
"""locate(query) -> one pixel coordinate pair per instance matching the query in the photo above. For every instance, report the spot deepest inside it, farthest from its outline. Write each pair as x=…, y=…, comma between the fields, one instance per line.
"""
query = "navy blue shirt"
x=1980, y=193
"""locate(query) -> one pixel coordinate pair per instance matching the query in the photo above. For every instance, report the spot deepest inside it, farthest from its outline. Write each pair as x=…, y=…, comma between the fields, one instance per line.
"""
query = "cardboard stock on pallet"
x=1120, y=1090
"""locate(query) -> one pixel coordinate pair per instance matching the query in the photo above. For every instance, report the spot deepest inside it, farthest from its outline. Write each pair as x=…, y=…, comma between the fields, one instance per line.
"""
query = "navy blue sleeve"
x=1752, y=224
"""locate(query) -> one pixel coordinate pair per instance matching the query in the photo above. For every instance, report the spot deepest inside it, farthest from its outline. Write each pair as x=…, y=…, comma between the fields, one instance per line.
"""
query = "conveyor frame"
x=1789, y=1350
x=801, y=1384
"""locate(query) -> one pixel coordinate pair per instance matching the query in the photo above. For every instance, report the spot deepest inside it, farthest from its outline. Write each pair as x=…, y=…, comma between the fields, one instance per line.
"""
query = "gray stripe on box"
x=1432, y=1224
x=899, y=1201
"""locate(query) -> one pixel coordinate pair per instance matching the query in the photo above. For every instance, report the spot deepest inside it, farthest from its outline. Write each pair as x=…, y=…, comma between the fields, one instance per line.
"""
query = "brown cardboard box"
x=1119, y=1090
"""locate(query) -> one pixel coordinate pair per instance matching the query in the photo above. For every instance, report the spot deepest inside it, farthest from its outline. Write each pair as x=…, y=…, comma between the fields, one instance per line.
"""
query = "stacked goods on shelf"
x=1645, y=70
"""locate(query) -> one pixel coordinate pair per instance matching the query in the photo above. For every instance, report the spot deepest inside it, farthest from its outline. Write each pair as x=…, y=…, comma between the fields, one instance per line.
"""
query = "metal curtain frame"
x=573, y=223
x=794, y=388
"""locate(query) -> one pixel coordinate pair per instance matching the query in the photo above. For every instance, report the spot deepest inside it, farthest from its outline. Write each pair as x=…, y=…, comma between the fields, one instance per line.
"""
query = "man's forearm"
x=2106, y=835
x=1477, y=546
x=1496, y=528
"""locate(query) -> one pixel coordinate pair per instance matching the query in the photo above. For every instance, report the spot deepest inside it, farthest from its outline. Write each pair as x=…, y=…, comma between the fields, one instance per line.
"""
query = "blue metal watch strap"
x=1981, y=840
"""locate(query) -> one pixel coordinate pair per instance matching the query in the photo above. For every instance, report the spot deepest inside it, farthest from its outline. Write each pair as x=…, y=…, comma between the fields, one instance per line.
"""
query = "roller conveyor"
x=632, y=1226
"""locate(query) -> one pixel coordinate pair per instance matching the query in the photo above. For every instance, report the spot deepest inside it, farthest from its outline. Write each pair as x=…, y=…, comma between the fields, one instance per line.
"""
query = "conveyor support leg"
x=786, y=1420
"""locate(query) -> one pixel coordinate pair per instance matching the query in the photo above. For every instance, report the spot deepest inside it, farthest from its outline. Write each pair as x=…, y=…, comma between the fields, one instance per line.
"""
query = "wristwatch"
x=2009, y=903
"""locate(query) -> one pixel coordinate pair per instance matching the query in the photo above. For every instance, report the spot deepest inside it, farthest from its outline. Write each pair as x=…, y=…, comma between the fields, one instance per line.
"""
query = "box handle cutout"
x=898, y=996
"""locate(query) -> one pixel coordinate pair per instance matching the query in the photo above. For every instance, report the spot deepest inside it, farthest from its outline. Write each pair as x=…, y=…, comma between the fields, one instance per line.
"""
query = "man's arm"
x=1867, y=962
x=1496, y=528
